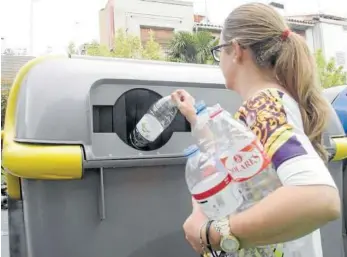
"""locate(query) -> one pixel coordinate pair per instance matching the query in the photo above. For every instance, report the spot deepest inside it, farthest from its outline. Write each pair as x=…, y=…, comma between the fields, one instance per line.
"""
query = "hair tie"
x=285, y=34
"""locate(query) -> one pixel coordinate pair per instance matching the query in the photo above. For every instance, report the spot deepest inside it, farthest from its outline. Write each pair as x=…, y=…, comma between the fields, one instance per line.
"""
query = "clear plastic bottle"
x=210, y=184
x=253, y=175
x=244, y=157
x=154, y=122
x=200, y=130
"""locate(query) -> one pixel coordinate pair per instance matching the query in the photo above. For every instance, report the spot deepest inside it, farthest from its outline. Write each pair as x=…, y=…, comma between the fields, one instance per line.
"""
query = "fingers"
x=181, y=95
x=176, y=97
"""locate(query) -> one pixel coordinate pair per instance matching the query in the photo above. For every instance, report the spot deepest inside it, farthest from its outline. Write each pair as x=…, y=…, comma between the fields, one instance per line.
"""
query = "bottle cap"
x=191, y=150
x=199, y=107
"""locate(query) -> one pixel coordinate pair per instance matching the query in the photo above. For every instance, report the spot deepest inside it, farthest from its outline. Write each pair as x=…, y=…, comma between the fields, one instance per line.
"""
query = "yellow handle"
x=341, y=148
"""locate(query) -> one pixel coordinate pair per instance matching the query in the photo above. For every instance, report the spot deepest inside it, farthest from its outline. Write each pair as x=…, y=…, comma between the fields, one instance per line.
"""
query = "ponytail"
x=295, y=69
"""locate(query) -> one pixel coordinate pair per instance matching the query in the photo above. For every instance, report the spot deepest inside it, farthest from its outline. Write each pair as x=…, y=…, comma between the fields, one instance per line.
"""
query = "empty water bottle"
x=210, y=184
x=159, y=116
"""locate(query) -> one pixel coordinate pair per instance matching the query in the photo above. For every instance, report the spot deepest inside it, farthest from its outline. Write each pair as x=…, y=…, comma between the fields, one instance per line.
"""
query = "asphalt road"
x=4, y=234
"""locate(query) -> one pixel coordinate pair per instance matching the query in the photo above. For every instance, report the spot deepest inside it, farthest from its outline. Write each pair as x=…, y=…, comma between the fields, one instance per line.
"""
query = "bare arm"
x=274, y=220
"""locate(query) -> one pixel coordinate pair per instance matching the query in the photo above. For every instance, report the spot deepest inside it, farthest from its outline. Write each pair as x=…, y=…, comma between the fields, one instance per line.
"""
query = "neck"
x=250, y=85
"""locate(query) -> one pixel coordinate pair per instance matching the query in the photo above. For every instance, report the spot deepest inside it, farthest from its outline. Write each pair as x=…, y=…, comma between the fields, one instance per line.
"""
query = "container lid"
x=191, y=150
x=199, y=107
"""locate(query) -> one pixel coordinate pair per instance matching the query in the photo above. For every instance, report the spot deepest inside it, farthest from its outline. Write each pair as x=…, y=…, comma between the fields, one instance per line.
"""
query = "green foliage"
x=95, y=49
x=127, y=46
x=71, y=48
x=152, y=50
x=192, y=47
x=4, y=96
x=329, y=73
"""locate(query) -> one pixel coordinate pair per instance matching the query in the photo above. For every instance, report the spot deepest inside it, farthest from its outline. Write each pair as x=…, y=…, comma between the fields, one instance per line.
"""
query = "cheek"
x=228, y=70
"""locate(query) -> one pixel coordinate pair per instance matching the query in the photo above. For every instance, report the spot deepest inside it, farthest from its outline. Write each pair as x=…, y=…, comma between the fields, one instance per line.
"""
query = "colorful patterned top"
x=275, y=118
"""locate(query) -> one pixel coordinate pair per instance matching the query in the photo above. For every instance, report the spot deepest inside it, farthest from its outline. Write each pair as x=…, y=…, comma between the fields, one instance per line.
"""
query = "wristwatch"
x=228, y=243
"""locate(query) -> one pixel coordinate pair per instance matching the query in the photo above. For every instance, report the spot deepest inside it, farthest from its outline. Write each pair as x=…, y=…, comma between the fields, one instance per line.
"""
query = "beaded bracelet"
x=205, y=253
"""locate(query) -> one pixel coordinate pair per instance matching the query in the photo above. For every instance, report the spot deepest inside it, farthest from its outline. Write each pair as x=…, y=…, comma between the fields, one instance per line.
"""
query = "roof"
x=300, y=21
x=208, y=26
x=305, y=20
x=316, y=17
x=289, y=20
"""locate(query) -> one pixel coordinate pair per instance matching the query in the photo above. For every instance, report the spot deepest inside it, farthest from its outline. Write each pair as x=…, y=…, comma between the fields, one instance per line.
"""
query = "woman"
x=273, y=70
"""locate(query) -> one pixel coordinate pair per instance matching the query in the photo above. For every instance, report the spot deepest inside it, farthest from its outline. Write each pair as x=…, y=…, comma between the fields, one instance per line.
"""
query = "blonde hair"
x=260, y=28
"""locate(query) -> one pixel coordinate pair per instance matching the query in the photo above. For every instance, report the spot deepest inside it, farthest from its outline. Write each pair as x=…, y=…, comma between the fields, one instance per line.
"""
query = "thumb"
x=196, y=206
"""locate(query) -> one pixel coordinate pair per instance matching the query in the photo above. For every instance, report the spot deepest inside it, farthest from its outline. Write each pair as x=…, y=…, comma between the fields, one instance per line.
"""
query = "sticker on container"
x=216, y=195
x=247, y=163
x=149, y=127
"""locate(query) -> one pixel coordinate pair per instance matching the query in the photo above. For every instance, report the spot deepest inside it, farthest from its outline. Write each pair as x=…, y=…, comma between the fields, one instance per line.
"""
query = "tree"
x=4, y=96
x=192, y=47
x=95, y=49
x=9, y=51
x=329, y=73
x=71, y=48
x=152, y=50
x=126, y=46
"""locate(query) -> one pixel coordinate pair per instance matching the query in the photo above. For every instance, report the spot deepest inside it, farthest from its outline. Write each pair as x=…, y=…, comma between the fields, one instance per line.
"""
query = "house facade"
x=164, y=17
x=328, y=33
x=139, y=17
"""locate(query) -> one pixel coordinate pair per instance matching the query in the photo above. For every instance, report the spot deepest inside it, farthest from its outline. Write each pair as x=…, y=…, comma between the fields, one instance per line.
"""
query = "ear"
x=237, y=52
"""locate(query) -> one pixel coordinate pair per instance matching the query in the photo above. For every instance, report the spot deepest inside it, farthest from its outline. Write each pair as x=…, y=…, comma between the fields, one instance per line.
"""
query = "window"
x=161, y=35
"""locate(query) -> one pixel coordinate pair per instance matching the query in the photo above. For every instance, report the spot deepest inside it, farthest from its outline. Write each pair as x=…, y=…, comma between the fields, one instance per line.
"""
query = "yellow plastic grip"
x=22, y=160
x=341, y=148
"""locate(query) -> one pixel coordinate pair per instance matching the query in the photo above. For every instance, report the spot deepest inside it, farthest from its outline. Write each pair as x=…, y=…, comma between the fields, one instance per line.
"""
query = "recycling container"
x=78, y=188
x=338, y=99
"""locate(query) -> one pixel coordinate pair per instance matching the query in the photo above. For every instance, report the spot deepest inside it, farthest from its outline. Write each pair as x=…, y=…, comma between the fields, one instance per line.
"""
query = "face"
x=228, y=64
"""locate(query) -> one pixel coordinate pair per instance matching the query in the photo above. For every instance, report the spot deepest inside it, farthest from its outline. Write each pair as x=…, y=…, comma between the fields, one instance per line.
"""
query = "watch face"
x=229, y=244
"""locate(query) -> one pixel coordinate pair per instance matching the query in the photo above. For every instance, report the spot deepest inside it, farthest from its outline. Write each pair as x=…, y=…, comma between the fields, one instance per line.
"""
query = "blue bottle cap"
x=200, y=106
x=191, y=150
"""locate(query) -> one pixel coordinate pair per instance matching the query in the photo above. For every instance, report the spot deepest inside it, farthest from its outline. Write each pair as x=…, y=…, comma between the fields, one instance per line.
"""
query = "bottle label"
x=219, y=199
x=149, y=127
x=247, y=163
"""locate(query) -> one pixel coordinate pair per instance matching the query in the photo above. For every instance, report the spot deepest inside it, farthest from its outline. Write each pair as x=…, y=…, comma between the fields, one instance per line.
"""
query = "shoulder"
x=275, y=118
x=271, y=117
x=265, y=113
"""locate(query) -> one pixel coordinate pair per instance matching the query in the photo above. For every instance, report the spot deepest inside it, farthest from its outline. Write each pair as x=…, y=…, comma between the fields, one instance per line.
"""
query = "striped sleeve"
x=265, y=115
x=290, y=150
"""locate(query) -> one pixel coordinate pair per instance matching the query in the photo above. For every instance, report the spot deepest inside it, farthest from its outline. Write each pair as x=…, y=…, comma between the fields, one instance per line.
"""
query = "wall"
x=10, y=65
x=106, y=24
x=309, y=39
x=161, y=35
x=334, y=41
x=131, y=14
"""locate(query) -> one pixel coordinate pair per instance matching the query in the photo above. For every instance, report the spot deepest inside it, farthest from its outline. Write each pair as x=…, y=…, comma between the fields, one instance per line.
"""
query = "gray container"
x=128, y=203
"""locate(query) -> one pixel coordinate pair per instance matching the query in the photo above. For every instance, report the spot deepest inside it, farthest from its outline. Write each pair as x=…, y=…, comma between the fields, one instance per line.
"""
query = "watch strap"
x=222, y=226
x=208, y=244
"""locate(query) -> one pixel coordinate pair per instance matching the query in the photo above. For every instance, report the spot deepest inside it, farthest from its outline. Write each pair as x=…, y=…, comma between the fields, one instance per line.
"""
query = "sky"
x=56, y=22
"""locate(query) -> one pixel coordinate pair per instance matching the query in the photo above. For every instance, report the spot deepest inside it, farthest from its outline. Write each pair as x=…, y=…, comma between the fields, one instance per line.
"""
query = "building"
x=164, y=17
x=326, y=32
x=202, y=23
x=106, y=24
x=10, y=65
x=321, y=31
x=138, y=17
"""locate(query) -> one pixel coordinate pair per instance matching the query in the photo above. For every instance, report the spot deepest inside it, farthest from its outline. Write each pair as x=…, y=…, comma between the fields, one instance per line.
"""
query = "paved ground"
x=4, y=234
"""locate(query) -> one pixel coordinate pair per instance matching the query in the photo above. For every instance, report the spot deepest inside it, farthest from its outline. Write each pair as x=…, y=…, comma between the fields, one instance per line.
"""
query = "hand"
x=192, y=227
x=185, y=103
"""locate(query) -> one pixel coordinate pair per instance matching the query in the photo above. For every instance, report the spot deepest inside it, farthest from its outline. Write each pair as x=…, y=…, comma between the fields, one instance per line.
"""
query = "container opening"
x=122, y=117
